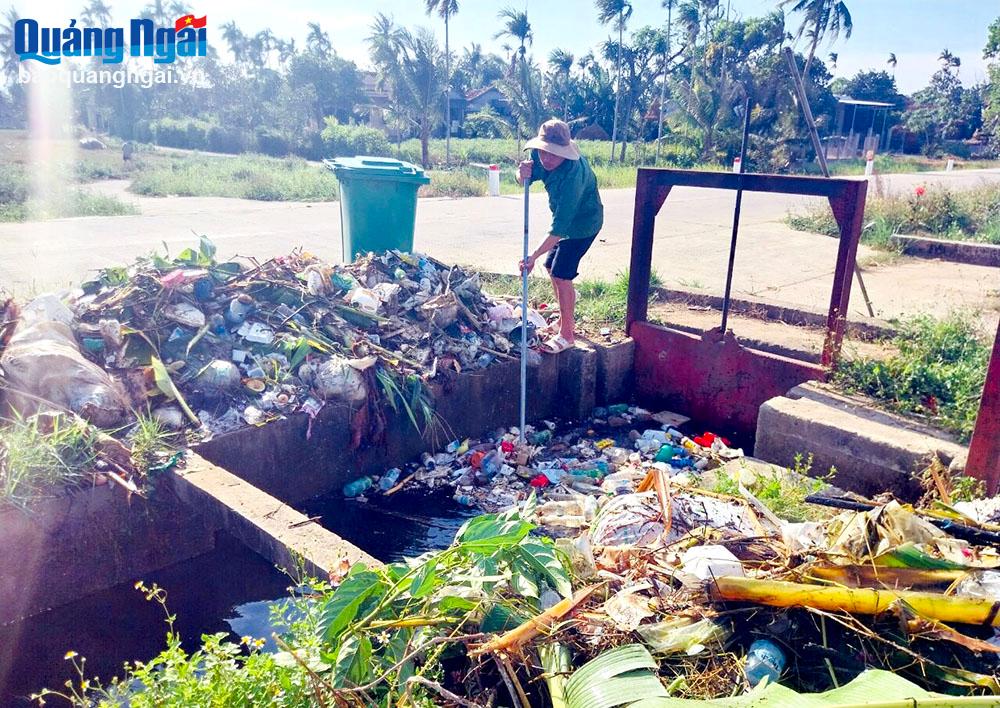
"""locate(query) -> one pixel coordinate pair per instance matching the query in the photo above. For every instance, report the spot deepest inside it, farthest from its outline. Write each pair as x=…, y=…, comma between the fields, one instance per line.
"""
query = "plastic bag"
x=43, y=361
x=337, y=379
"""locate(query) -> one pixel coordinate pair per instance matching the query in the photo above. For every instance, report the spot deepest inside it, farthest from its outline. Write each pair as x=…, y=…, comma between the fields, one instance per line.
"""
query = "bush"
x=188, y=133
x=226, y=140
x=348, y=140
x=972, y=214
x=13, y=185
x=271, y=142
x=454, y=184
x=310, y=145
x=939, y=372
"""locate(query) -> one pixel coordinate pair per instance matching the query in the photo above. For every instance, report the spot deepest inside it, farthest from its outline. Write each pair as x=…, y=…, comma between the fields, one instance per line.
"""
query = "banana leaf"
x=872, y=689
x=616, y=677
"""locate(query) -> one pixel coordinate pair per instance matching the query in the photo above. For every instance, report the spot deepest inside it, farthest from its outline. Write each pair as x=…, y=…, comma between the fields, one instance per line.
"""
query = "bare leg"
x=567, y=308
x=558, y=296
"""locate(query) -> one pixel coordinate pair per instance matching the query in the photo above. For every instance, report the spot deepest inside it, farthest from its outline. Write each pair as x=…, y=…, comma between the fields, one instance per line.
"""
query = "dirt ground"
x=765, y=334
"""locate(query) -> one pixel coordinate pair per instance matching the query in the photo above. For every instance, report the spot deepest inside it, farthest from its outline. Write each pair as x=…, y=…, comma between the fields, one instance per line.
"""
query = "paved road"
x=692, y=237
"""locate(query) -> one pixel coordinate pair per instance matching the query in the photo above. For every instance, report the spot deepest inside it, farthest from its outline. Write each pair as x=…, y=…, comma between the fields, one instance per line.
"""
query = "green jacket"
x=576, y=206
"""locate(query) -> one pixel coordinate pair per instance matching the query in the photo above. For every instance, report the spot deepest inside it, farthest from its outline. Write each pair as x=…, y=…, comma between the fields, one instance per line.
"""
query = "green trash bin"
x=378, y=203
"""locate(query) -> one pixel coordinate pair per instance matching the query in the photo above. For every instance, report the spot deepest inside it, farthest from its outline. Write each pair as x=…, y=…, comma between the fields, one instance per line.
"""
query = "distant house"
x=376, y=99
x=489, y=96
x=859, y=127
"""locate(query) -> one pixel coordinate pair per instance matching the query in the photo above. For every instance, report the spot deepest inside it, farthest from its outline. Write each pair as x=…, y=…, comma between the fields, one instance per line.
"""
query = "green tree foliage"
x=944, y=110
x=991, y=92
x=820, y=18
x=411, y=66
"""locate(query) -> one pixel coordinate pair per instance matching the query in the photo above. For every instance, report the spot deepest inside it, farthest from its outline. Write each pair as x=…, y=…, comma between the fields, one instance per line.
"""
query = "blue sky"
x=916, y=30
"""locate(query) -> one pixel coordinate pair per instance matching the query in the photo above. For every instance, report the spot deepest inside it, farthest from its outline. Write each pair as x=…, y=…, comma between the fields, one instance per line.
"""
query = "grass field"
x=959, y=215
x=159, y=172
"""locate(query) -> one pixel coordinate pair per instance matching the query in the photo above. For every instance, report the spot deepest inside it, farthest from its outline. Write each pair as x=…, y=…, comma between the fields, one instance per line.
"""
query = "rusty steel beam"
x=984, y=450
x=849, y=211
x=649, y=197
x=782, y=184
x=847, y=199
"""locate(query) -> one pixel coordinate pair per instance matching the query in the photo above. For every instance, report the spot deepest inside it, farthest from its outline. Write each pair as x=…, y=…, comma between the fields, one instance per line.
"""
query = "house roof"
x=847, y=100
x=476, y=93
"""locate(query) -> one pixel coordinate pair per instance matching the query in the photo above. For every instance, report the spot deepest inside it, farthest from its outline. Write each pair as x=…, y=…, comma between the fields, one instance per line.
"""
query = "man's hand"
x=526, y=266
x=524, y=170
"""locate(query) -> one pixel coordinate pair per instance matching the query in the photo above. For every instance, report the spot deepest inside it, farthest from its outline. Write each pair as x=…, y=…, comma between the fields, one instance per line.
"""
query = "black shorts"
x=564, y=260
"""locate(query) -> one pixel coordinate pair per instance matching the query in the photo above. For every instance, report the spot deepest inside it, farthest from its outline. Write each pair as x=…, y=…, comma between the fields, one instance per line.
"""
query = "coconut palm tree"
x=9, y=61
x=318, y=41
x=562, y=62
x=96, y=14
x=833, y=56
x=669, y=4
x=516, y=26
x=445, y=8
x=949, y=60
x=892, y=63
x=236, y=40
x=820, y=18
x=619, y=12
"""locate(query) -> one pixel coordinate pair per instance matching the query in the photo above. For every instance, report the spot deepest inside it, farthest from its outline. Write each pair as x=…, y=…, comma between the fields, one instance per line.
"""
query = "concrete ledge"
x=270, y=527
x=872, y=450
x=970, y=252
x=89, y=540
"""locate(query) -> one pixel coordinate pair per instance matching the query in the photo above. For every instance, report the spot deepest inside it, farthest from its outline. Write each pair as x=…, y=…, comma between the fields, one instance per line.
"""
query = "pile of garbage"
x=688, y=591
x=213, y=346
x=612, y=453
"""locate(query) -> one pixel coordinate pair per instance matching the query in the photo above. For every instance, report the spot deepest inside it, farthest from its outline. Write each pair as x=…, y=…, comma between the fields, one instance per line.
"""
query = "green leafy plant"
x=41, y=455
x=938, y=372
x=378, y=637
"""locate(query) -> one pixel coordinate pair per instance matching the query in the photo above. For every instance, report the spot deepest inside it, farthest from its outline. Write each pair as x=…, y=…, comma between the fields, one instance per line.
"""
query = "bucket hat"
x=553, y=136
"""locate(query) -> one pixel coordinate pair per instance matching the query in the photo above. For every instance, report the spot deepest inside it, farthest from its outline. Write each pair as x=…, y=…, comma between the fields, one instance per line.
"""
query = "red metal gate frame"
x=984, y=448
x=847, y=199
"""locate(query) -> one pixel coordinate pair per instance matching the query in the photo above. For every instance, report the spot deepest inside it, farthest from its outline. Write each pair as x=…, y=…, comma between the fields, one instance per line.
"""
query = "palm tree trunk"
x=812, y=53
x=447, y=93
x=425, y=135
x=618, y=89
x=663, y=86
x=625, y=120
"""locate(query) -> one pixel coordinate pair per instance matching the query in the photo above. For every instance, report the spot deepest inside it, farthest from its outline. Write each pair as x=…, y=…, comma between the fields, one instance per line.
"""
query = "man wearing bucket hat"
x=577, y=217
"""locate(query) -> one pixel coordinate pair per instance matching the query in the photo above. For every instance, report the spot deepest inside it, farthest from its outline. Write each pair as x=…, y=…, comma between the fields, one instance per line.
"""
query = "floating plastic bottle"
x=357, y=487
x=389, y=479
x=464, y=499
x=765, y=659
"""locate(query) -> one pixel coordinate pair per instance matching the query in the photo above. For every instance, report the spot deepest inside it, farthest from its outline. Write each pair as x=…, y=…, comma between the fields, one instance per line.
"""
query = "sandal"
x=557, y=344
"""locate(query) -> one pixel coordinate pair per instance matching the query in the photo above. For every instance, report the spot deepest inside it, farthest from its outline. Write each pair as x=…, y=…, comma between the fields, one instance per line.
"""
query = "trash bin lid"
x=368, y=167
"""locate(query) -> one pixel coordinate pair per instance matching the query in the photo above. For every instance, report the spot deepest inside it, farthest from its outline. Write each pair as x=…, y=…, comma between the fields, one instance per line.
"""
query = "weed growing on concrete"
x=785, y=495
x=41, y=455
x=938, y=372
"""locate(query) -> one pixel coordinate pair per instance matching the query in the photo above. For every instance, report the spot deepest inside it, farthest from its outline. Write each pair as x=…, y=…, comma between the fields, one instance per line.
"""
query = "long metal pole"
x=800, y=90
x=524, y=318
x=736, y=218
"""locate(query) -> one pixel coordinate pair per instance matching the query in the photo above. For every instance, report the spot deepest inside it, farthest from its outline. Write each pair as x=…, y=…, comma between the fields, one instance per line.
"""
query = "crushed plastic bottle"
x=765, y=659
x=464, y=499
x=357, y=487
x=389, y=479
